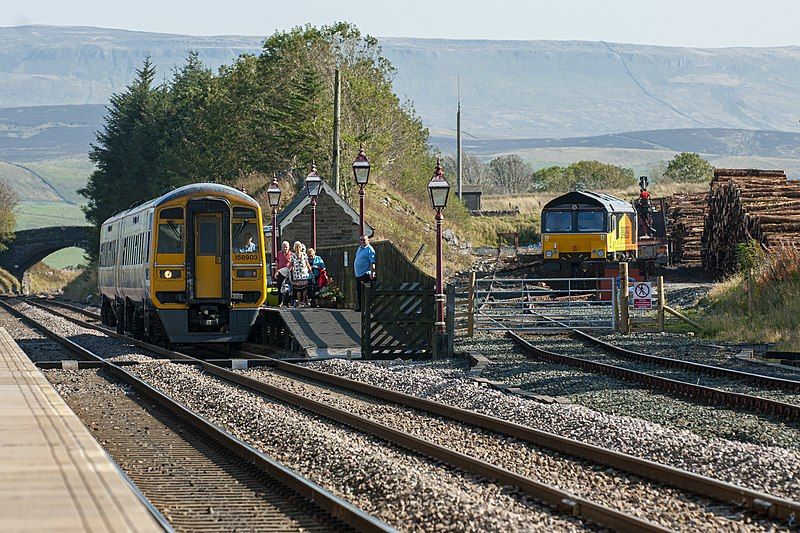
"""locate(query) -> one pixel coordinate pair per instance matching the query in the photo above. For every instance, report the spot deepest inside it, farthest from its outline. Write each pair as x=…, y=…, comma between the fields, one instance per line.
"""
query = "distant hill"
x=53, y=65
x=719, y=141
x=48, y=132
x=516, y=89
x=510, y=89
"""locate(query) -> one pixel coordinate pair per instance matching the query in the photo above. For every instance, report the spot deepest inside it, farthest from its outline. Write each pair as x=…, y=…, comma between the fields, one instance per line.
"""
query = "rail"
x=715, y=489
x=681, y=388
x=758, y=379
x=335, y=506
x=558, y=499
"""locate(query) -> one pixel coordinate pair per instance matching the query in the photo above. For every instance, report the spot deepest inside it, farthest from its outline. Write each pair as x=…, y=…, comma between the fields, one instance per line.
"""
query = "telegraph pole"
x=337, y=113
x=458, y=144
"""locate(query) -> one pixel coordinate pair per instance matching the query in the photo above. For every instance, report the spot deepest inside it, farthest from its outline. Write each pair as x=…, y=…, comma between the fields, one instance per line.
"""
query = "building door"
x=208, y=255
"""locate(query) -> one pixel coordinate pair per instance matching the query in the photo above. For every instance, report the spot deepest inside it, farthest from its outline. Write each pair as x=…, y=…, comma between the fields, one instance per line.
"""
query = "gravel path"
x=406, y=491
x=770, y=469
x=617, y=397
x=669, y=507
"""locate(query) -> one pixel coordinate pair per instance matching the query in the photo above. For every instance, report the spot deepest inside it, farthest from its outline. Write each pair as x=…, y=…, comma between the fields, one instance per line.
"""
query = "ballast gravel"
x=691, y=348
x=91, y=339
x=614, y=396
x=770, y=469
x=404, y=490
x=666, y=506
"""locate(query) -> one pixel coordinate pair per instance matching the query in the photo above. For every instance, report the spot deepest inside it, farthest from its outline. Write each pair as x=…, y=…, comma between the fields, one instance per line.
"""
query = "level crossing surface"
x=323, y=332
x=53, y=475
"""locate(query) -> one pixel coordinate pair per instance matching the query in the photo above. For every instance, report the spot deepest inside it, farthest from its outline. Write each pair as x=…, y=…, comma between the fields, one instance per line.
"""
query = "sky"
x=702, y=23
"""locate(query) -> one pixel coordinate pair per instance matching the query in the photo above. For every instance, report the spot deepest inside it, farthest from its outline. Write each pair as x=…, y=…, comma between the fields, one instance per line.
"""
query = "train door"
x=208, y=255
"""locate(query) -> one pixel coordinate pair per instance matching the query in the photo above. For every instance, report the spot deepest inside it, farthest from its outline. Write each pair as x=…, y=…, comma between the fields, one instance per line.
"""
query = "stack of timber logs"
x=686, y=214
x=748, y=204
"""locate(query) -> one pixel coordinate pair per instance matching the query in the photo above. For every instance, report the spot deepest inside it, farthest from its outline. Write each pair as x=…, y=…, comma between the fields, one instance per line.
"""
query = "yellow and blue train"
x=186, y=267
x=584, y=233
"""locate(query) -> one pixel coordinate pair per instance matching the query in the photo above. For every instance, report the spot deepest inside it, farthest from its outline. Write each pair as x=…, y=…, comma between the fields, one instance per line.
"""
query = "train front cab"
x=585, y=232
x=208, y=283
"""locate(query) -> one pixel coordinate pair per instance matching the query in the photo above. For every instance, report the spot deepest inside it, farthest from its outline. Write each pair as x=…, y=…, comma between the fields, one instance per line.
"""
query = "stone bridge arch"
x=32, y=245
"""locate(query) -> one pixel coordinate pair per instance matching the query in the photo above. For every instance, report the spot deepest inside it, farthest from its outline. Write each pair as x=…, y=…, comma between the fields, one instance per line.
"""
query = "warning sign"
x=642, y=295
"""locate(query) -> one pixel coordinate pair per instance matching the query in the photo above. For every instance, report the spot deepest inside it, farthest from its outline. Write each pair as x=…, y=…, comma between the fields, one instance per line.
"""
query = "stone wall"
x=334, y=226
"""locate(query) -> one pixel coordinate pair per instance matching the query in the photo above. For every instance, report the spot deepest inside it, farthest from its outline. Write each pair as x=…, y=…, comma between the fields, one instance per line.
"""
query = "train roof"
x=192, y=189
x=594, y=199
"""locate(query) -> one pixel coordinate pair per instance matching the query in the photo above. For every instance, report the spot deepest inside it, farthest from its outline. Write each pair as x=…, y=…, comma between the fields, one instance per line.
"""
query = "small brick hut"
x=337, y=221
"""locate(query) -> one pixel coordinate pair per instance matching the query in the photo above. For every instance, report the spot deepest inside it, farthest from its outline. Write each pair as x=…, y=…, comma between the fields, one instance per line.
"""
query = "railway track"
x=754, y=500
x=319, y=501
x=685, y=389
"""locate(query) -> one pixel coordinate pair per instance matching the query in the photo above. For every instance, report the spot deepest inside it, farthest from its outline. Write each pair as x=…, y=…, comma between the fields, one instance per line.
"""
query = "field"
x=67, y=175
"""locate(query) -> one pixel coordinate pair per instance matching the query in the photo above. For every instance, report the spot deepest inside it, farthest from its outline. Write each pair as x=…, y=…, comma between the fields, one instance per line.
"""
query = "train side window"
x=617, y=221
x=170, y=237
x=147, y=248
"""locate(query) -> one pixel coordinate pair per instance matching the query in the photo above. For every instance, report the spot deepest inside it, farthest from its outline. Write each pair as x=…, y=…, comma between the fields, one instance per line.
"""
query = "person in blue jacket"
x=363, y=267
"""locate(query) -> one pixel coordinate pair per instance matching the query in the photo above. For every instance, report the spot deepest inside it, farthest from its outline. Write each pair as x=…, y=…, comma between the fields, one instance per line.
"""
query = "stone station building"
x=337, y=221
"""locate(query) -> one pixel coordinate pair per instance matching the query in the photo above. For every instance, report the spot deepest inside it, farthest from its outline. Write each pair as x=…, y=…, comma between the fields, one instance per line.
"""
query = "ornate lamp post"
x=313, y=186
x=361, y=174
x=274, y=198
x=439, y=190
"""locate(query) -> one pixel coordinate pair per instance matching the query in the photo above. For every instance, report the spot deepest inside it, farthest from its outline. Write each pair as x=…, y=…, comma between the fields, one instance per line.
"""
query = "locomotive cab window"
x=245, y=236
x=558, y=221
x=170, y=231
x=591, y=221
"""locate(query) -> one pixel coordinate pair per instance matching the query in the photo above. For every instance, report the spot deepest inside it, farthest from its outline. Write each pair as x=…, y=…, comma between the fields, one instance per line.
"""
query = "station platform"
x=53, y=475
x=317, y=332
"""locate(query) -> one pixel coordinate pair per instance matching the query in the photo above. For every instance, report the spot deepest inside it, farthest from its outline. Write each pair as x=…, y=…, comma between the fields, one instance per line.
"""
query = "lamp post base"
x=441, y=345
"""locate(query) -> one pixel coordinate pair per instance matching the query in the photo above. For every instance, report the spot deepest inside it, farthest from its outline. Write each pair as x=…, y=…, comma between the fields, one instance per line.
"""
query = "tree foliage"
x=261, y=114
x=689, y=167
x=584, y=175
x=8, y=203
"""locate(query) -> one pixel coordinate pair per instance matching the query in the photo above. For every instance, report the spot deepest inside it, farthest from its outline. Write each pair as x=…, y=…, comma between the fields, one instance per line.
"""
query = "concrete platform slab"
x=53, y=475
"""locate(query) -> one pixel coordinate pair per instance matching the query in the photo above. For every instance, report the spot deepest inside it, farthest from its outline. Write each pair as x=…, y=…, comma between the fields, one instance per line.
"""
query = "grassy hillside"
x=30, y=186
x=67, y=175
x=44, y=214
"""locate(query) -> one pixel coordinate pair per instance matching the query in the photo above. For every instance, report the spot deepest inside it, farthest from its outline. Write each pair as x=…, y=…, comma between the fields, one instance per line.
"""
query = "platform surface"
x=324, y=332
x=53, y=475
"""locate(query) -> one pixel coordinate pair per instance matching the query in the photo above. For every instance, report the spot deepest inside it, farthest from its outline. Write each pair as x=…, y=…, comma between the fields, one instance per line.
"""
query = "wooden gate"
x=397, y=320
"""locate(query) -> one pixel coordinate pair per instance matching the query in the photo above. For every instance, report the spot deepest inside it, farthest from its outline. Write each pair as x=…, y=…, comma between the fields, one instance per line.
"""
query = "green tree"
x=689, y=167
x=129, y=153
x=584, y=175
x=8, y=220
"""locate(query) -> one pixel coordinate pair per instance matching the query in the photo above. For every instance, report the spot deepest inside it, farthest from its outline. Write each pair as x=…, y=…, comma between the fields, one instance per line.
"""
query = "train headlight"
x=247, y=273
x=548, y=254
x=601, y=253
x=171, y=274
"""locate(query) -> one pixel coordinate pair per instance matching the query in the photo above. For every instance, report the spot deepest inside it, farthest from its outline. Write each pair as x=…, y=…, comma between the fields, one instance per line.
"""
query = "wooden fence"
x=391, y=266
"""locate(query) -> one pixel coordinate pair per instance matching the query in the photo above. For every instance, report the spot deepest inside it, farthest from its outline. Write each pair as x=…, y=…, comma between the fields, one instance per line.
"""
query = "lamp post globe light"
x=313, y=186
x=361, y=174
x=274, y=198
x=439, y=190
